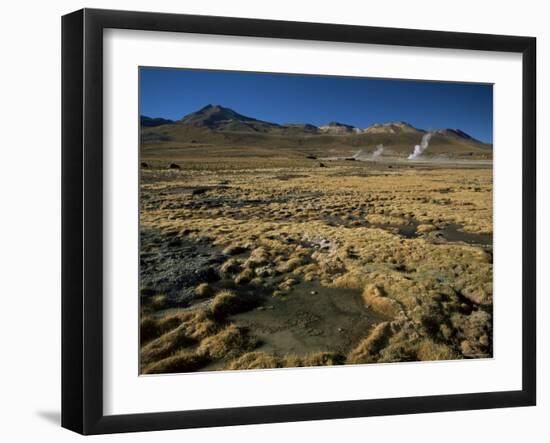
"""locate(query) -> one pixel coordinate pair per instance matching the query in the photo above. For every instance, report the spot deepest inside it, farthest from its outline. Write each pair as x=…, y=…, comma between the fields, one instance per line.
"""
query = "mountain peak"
x=337, y=128
x=391, y=128
x=213, y=107
x=217, y=117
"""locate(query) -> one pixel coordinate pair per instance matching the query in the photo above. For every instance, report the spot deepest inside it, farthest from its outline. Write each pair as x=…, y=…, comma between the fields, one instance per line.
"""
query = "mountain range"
x=215, y=125
x=219, y=118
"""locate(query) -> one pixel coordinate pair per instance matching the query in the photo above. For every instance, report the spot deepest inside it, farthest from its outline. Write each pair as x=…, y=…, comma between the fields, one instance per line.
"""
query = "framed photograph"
x=269, y=221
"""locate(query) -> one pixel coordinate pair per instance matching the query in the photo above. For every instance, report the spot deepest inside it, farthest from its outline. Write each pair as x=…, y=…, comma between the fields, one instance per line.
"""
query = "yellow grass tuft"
x=151, y=327
x=244, y=277
x=181, y=362
x=429, y=351
x=366, y=351
x=230, y=342
x=204, y=290
x=289, y=265
x=255, y=360
x=231, y=266
x=376, y=299
x=227, y=302
x=166, y=345
x=263, y=360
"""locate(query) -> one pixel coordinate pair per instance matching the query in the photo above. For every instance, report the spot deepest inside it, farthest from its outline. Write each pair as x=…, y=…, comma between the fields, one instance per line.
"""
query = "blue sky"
x=282, y=98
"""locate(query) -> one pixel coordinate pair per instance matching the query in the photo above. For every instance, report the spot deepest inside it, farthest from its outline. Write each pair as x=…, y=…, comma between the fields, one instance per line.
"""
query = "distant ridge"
x=456, y=133
x=337, y=128
x=148, y=122
x=392, y=128
x=219, y=119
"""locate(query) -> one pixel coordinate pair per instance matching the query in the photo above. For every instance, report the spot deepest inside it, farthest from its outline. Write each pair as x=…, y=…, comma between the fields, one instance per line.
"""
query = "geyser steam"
x=378, y=152
x=419, y=149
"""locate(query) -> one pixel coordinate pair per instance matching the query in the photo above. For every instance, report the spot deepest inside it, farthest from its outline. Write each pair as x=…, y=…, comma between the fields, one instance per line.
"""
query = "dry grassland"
x=413, y=245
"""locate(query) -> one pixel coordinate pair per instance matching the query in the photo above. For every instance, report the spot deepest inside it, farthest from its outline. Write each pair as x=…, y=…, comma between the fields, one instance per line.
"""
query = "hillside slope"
x=215, y=130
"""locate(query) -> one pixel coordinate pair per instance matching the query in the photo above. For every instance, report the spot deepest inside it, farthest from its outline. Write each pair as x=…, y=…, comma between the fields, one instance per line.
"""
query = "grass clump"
x=180, y=362
x=244, y=277
x=199, y=324
x=428, y=227
x=228, y=343
x=151, y=327
x=166, y=345
x=367, y=350
x=428, y=350
x=231, y=266
x=315, y=359
x=204, y=290
x=255, y=360
x=263, y=360
x=287, y=284
x=289, y=265
x=172, y=335
x=154, y=303
x=227, y=302
x=258, y=257
x=376, y=299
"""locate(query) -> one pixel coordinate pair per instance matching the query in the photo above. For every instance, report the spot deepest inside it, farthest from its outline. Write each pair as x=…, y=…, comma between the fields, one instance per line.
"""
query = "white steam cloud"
x=419, y=149
x=378, y=152
x=362, y=155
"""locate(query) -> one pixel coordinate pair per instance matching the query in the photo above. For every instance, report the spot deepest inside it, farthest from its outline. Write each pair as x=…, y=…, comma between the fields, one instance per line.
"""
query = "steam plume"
x=419, y=149
x=378, y=152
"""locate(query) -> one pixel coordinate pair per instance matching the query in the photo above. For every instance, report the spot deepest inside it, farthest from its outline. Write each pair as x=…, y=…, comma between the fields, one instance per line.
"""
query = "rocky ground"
x=299, y=266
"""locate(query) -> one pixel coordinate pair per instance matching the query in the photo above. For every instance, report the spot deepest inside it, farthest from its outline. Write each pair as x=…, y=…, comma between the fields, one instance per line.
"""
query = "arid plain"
x=291, y=246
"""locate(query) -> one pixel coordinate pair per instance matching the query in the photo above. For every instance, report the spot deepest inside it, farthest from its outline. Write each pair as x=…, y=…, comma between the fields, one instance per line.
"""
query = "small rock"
x=313, y=292
x=199, y=191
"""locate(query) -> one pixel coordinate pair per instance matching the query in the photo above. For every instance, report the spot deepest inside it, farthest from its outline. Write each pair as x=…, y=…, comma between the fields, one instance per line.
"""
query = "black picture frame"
x=82, y=218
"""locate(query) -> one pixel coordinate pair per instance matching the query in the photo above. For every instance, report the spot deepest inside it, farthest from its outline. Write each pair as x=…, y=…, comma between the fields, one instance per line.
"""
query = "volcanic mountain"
x=218, y=118
x=215, y=127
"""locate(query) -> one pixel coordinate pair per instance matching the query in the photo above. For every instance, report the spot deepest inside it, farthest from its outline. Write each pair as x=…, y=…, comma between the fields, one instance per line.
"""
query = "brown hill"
x=215, y=130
